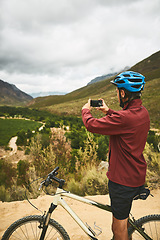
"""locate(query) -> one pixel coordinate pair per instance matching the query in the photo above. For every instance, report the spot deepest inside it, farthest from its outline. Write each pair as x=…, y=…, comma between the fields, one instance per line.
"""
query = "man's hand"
x=104, y=108
x=87, y=105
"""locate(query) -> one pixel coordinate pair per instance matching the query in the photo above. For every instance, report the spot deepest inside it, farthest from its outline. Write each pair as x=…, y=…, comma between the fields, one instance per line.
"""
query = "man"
x=128, y=129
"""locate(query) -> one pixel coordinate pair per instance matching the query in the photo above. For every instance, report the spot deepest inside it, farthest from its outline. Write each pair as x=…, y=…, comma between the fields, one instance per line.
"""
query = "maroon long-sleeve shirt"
x=128, y=129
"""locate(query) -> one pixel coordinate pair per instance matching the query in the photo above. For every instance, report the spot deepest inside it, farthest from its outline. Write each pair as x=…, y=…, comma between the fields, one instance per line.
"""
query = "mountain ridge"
x=10, y=95
x=104, y=77
x=149, y=67
x=45, y=94
x=101, y=78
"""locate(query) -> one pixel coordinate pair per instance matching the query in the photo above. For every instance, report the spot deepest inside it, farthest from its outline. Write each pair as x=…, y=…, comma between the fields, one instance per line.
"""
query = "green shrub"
x=103, y=147
x=153, y=170
x=7, y=173
x=95, y=182
x=92, y=182
x=75, y=187
x=153, y=139
x=27, y=151
x=4, y=195
x=22, y=172
x=17, y=193
x=22, y=138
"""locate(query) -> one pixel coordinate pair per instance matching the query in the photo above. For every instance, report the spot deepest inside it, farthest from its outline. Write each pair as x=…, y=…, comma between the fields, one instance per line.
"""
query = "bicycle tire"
x=28, y=228
x=150, y=225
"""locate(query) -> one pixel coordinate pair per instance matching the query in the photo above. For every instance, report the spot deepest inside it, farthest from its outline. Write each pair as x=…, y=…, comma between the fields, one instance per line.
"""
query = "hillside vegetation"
x=77, y=152
x=71, y=104
x=10, y=128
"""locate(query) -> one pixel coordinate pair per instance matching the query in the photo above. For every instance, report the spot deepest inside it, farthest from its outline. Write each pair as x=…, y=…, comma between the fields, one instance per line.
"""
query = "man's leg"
x=119, y=228
x=121, y=201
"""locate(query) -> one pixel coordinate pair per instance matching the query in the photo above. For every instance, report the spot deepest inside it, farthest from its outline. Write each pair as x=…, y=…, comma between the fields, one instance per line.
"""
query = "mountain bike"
x=42, y=227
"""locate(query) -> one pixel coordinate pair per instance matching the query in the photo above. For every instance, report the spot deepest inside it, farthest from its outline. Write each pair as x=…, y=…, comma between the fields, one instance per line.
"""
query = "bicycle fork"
x=46, y=221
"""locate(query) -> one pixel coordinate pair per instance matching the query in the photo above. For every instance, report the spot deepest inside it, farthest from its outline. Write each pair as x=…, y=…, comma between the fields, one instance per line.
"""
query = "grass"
x=151, y=100
x=10, y=127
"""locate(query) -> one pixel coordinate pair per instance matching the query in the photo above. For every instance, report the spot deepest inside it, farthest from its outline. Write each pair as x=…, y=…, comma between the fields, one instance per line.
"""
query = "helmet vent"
x=136, y=86
x=126, y=75
x=138, y=80
x=120, y=81
x=134, y=75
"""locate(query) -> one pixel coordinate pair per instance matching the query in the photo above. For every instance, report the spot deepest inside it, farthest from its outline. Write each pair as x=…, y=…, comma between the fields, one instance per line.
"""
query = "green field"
x=10, y=127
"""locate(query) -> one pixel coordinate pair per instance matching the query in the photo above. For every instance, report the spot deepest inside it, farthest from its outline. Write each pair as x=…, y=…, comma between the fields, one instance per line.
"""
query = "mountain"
x=71, y=103
x=12, y=96
x=44, y=94
x=101, y=78
x=104, y=77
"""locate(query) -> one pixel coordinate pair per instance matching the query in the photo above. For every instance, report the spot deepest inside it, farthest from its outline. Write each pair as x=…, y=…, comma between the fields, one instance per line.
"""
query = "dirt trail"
x=11, y=144
x=9, y=212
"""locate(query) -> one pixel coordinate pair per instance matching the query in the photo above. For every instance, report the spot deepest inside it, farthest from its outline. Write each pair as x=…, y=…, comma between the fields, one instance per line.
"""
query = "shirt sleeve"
x=112, y=124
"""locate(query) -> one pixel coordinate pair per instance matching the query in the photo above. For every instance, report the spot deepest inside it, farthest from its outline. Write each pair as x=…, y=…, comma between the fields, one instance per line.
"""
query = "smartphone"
x=96, y=103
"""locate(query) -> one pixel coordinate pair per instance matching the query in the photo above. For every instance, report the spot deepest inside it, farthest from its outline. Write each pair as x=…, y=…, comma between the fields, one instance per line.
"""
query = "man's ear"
x=122, y=93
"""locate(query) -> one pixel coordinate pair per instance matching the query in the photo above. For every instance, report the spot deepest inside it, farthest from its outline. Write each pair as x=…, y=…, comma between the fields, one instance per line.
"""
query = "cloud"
x=66, y=43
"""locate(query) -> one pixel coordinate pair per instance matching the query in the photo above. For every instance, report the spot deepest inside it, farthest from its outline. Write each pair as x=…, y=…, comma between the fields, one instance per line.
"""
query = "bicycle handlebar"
x=52, y=176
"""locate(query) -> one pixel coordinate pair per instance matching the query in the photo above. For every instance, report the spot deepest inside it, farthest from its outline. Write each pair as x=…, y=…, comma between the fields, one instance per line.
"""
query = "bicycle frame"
x=58, y=200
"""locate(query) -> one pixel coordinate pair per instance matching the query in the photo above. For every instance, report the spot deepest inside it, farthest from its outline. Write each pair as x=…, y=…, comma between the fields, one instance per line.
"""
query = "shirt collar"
x=133, y=104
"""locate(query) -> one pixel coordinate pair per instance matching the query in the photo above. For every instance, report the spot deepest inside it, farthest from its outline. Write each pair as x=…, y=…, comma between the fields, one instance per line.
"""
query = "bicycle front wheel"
x=29, y=228
x=150, y=225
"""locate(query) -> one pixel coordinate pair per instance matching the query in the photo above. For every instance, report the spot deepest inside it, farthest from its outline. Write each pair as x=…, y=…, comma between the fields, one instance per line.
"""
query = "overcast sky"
x=50, y=45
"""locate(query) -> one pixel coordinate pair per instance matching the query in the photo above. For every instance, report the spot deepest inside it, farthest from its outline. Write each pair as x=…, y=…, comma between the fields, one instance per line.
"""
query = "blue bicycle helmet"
x=131, y=81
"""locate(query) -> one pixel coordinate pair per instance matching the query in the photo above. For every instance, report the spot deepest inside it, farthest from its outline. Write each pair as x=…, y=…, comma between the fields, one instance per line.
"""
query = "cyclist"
x=128, y=129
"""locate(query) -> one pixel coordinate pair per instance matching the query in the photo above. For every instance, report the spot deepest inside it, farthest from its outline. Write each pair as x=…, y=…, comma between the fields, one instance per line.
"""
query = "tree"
x=7, y=173
x=103, y=147
x=22, y=167
x=22, y=138
x=77, y=137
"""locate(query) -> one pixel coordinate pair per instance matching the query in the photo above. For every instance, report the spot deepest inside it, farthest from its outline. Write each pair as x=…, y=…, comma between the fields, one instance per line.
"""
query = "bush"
x=153, y=139
x=27, y=151
x=92, y=182
x=153, y=169
x=77, y=137
x=75, y=187
x=45, y=140
x=22, y=168
x=7, y=173
x=22, y=138
x=17, y=193
x=95, y=182
x=4, y=195
x=103, y=147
